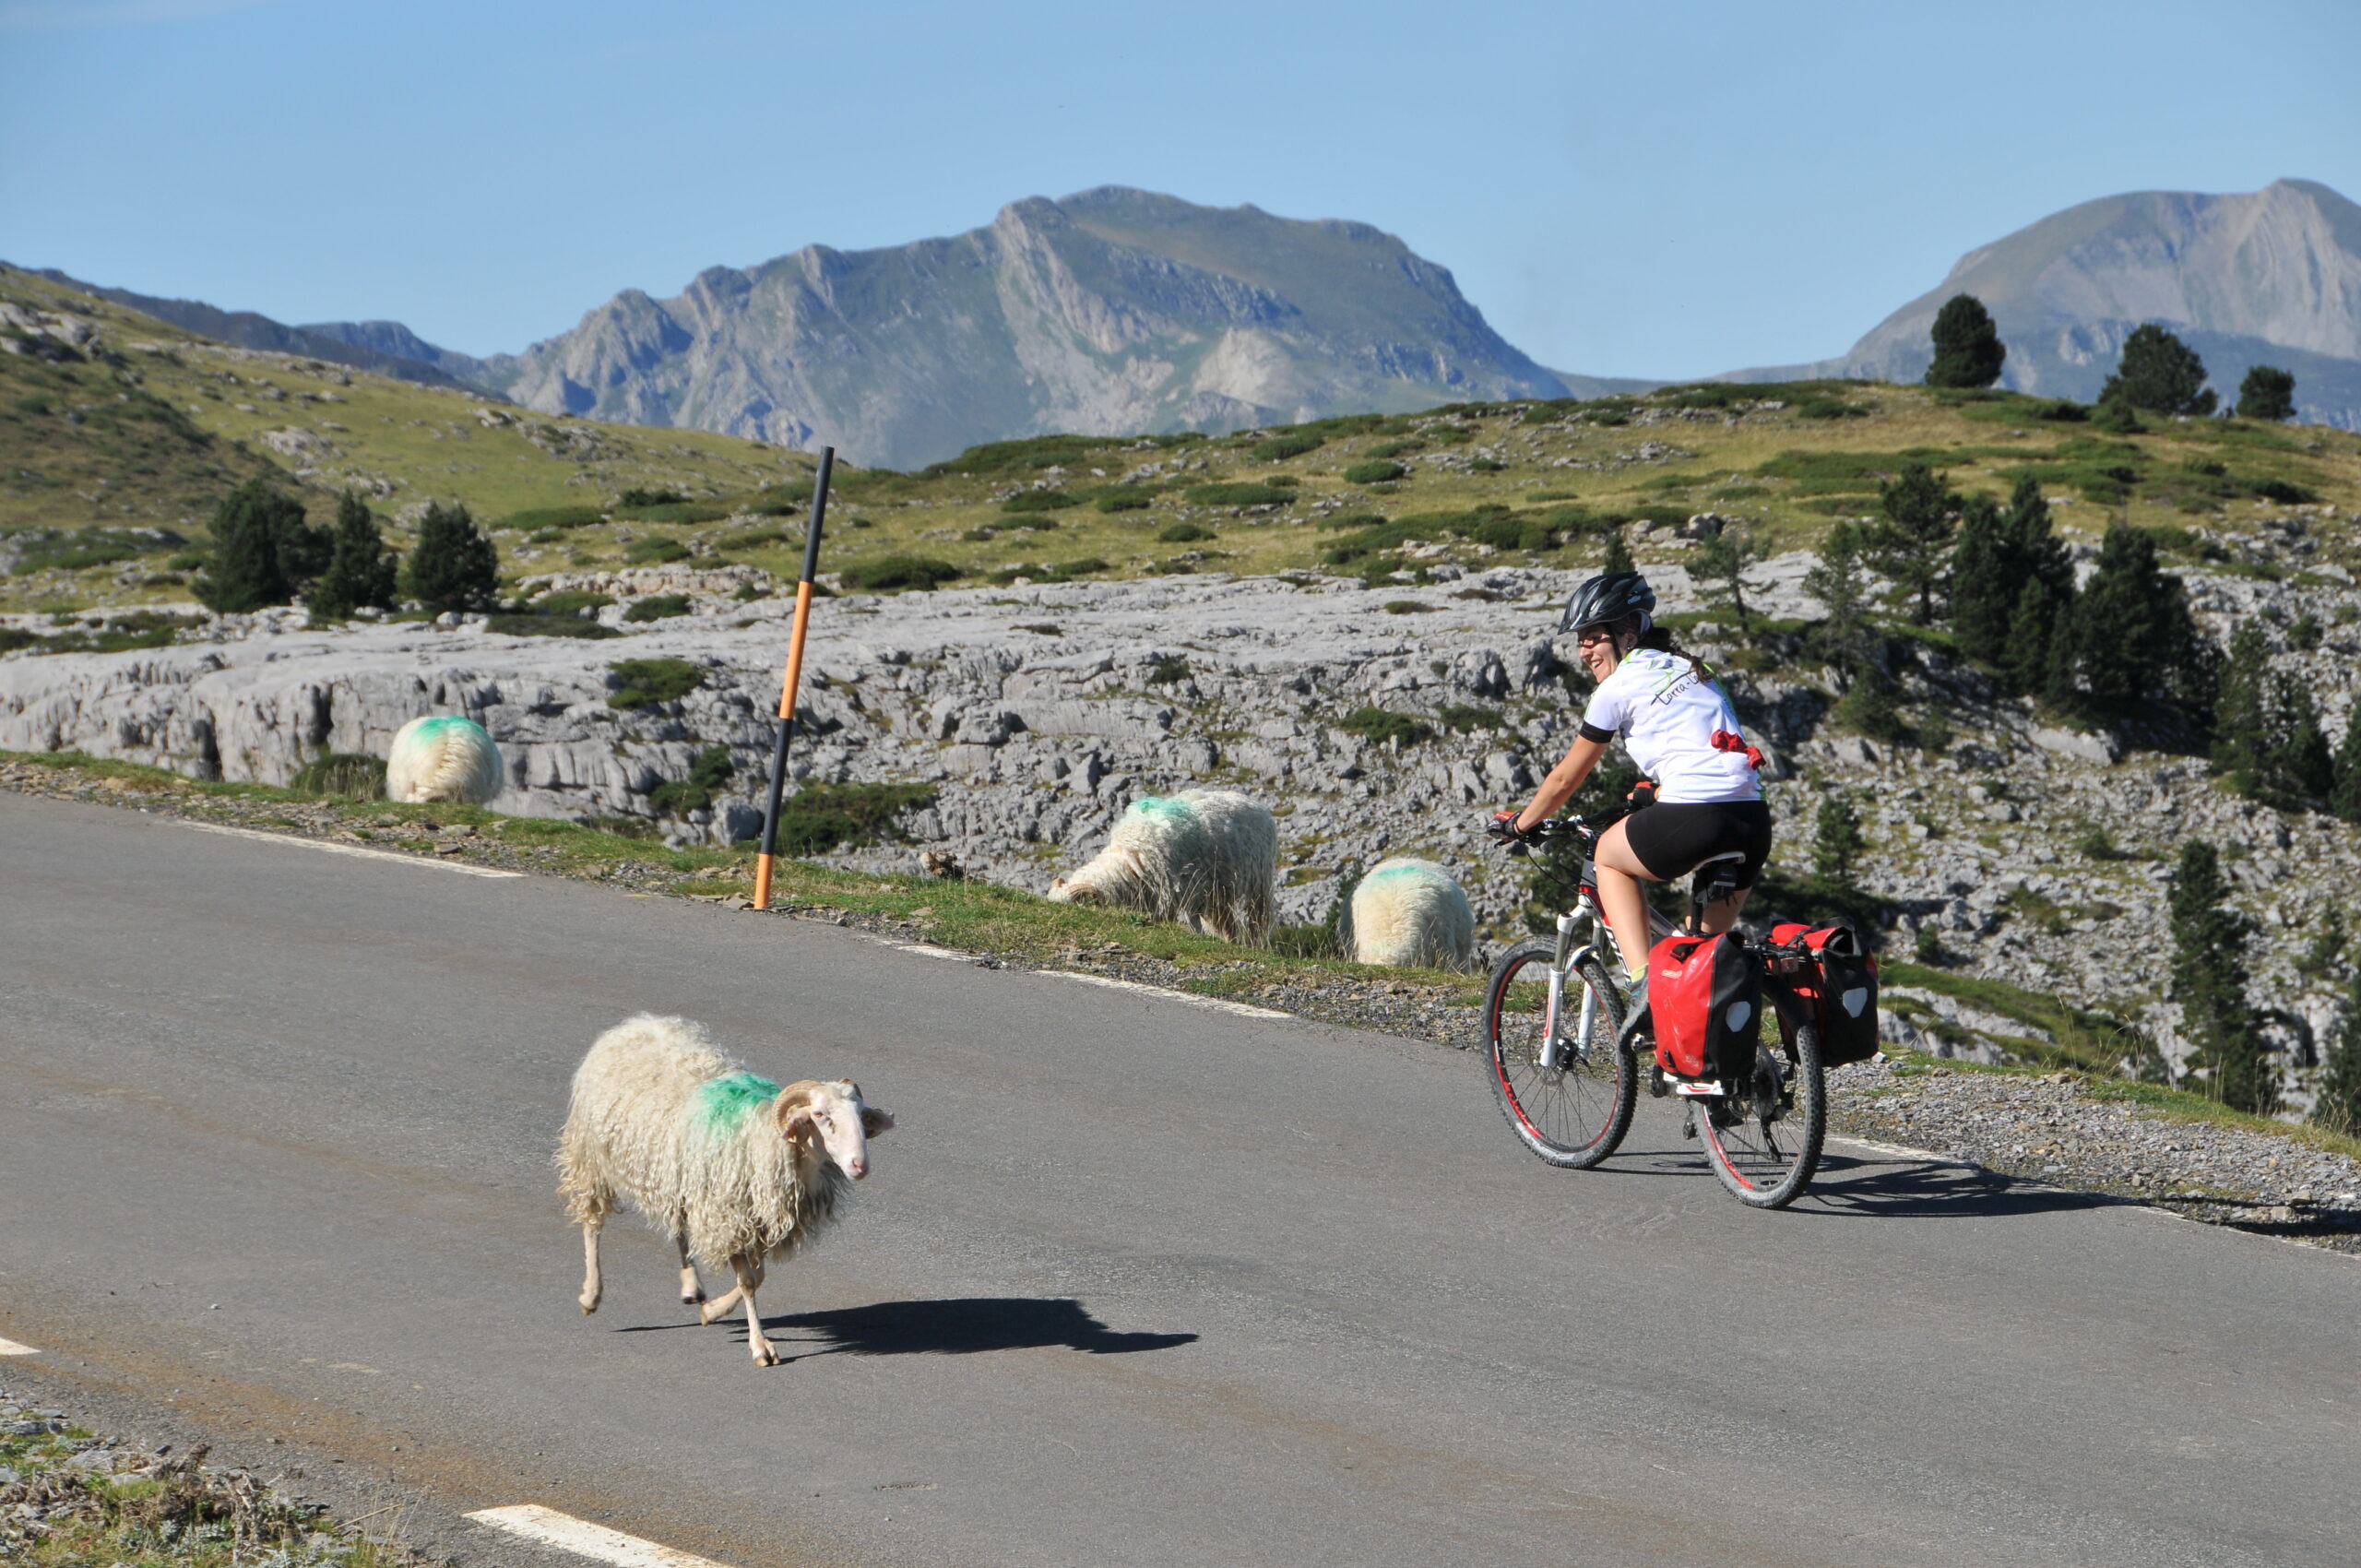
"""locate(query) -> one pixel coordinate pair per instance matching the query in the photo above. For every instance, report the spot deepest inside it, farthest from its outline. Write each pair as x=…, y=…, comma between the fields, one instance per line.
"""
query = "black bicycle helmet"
x=1610, y=596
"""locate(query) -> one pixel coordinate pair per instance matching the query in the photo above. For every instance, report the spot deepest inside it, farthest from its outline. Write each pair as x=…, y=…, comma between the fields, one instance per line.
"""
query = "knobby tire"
x=1574, y=1116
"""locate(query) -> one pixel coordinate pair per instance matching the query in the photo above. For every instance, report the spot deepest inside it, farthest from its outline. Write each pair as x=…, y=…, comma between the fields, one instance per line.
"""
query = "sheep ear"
x=873, y=1121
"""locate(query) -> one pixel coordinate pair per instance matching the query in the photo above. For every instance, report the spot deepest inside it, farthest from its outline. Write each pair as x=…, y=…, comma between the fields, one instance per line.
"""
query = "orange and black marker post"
x=794, y=677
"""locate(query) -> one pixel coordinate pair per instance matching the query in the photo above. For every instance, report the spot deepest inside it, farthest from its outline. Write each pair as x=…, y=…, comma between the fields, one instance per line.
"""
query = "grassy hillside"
x=169, y=421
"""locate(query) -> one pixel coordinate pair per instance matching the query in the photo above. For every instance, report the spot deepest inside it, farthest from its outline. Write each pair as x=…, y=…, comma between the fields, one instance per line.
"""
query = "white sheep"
x=1412, y=914
x=444, y=757
x=1208, y=856
x=739, y=1171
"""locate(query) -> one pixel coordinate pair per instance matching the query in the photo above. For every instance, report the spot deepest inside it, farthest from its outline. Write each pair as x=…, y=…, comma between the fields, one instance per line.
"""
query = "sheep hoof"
x=692, y=1298
x=765, y=1357
x=589, y=1305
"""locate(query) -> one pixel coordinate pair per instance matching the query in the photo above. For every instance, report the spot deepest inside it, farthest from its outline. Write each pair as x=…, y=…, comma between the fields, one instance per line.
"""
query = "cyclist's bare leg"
x=1720, y=915
x=1619, y=874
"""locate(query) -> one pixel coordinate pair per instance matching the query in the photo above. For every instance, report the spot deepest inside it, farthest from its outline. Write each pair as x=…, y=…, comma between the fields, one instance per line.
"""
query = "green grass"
x=1382, y=725
x=340, y=776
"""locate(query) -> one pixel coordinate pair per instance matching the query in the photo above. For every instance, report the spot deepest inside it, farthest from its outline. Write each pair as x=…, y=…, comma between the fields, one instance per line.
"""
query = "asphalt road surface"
x=1133, y=1281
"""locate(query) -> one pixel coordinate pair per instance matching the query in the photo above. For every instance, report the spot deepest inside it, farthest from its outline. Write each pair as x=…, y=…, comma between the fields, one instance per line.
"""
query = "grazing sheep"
x=443, y=758
x=1411, y=913
x=739, y=1171
x=1208, y=857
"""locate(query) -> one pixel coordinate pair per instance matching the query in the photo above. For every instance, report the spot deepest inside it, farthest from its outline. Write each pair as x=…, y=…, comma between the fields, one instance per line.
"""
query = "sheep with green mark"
x=1410, y=913
x=739, y=1171
x=444, y=757
x=1207, y=857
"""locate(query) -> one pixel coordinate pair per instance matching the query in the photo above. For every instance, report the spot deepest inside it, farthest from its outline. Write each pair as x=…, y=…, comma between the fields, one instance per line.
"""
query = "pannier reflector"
x=1738, y=1014
x=1855, y=1000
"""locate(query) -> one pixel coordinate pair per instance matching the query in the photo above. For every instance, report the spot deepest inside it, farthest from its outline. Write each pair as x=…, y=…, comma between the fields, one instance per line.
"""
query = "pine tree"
x=261, y=551
x=1840, y=582
x=2060, y=686
x=2302, y=764
x=2241, y=712
x=1619, y=556
x=1836, y=839
x=360, y=571
x=455, y=567
x=2344, y=792
x=2133, y=631
x=2034, y=548
x=2161, y=374
x=1968, y=350
x=1984, y=582
x=2208, y=980
x=2336, y=1102
x=1913, y=544
x=2267, y=393
x=1721, y=567
x=2035, y=624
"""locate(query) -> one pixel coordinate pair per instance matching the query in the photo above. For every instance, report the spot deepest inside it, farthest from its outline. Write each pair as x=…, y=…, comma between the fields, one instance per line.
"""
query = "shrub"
x=1486, y=465
x=340, y=776
x=752, y=539
x=783, y=500
x=453, y=565
x=819, y=818
x=708, y=771
x=655, y=551
x=1460, y=717
x=643, y=682
x=1168, y=670
x=2287, y=495
x=1407, y=607
x=1123, y=498
x=1241, y=494
x=1376, y=473
x=659, y=607
x=1039, y=501
x=890, y=572
x=74, y=551
x=1379, y=726
x=649, y=498
x=571, y=602
x=676, y=512
x=2065, y=410
x=1185, y=533
x=1279, y=448
x=362, y=571
x=1390, y=449
x=530, y=625
x=540, y=517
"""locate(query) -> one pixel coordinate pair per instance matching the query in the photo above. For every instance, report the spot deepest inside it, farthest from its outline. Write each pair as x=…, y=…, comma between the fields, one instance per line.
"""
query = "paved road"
x=1133, y=1282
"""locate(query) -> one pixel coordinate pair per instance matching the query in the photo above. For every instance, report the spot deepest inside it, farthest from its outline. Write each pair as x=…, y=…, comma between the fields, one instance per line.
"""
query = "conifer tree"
x=1840, y=582
x=2267, y=737
x=2267, y=393
x=454, y=567
x=2039, y=619
x=1913, y=544
x=2134, y=634
x=2208, y=980
x=2345, y=790
x=2033, y=547
x=1721, y=567
x=1968, y=350
x=1619, y=554
x=360, y=570
x=1984, y=586
x=2336, y=1102
x=2161, y=374
x=262, y=550
x=1836, y=839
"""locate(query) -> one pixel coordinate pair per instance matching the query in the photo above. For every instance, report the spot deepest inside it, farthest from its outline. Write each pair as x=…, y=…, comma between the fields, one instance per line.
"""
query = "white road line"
x=1218, y=1004
x=928, y=950
x=344, y=848
x=564, y=1531
x=1900, y=1151
x=10, y=1348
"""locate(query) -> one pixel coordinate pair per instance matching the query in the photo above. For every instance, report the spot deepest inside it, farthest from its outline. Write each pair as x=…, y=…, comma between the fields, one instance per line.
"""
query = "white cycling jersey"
x=1666, y=716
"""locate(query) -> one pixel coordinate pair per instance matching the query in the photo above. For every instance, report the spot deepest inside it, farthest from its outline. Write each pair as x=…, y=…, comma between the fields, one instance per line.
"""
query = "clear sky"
x=1623, y=189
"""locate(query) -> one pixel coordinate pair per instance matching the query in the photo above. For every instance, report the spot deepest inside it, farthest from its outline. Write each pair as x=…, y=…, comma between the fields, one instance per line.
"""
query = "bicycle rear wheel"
x=1572, y=1114
x=1764, y=1141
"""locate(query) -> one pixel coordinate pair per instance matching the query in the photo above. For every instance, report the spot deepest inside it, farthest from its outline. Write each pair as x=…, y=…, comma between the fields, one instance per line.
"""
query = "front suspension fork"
x=1563, y=963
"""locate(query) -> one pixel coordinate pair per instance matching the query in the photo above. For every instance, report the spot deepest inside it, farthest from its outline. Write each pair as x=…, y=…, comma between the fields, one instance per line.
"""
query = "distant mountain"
x=339, y=342
x=2271, y=277
x=394, y=340
x=1108, y=312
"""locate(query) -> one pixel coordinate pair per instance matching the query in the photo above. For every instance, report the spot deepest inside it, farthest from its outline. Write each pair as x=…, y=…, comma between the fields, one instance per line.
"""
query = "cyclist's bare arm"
x=1564, y=780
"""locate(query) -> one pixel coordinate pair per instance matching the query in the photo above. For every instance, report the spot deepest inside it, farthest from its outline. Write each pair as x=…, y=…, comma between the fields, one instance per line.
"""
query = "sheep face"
x=832, y=1114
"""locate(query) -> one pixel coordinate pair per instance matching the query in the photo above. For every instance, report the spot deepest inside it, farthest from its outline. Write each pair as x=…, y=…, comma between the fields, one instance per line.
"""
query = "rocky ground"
x=70, y=1497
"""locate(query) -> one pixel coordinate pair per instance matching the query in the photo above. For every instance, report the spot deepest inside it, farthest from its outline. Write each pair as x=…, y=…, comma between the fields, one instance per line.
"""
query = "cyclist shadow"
x=1901, y=1187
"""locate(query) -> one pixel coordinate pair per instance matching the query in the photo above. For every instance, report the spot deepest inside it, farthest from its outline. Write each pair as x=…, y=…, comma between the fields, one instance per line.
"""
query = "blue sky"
x=1666, y=191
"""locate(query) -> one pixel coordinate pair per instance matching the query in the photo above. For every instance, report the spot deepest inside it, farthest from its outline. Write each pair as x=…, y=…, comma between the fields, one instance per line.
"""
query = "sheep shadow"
x=963, y=1325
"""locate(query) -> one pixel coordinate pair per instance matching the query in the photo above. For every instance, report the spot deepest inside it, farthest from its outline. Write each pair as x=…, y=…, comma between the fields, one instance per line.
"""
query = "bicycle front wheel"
x=1571, y=1105
x=1764, y=1140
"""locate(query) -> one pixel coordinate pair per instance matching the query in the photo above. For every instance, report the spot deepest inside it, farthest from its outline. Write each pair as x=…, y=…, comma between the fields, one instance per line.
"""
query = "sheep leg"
x=691, y=1287
x=593, y=1288
x=718, y=1308
x=750, y=1279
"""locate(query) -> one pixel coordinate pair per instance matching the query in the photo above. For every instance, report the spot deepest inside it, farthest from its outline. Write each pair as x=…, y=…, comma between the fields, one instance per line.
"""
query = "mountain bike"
x=1565, y=1063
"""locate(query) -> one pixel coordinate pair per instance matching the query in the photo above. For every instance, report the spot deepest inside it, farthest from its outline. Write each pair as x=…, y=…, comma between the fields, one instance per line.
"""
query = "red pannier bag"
x=1706, y=999
x=1840, y=987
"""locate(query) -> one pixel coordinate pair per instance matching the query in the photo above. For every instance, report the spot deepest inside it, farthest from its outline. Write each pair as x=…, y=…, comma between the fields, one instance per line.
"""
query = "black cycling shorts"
x=1671, y=840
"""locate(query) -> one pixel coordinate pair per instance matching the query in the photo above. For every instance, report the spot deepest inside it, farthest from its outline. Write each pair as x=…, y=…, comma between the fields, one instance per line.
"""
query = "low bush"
x=571, y=601
x=1373, y=473
x=1241, y=493
x=1407, y=607
x=1185, y=533
x=1039, y=501
x=651, y=552
x=540, y=517
x=676, y=512
x=1379, y=726
x=1123, y=498
x=340, y=776
x=75, y=550
x=1168, y=670
x=537, y=625
x=1279, y=448
x=659, y=607
x=755, y=538
x=708, y=771
x=2287, y=495
x=2065, y=410
x=649, y=498
x=1460, y=717
x=819, y=818
x=888, y=573
x=643, y=682
x=783, y=500
x=1395, y=448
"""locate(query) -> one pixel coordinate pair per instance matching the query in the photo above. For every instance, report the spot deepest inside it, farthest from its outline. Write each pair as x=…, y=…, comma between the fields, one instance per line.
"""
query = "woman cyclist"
x=1678, y=724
